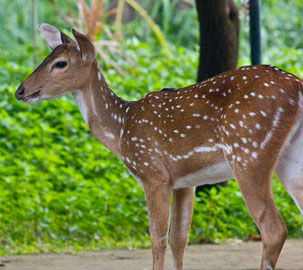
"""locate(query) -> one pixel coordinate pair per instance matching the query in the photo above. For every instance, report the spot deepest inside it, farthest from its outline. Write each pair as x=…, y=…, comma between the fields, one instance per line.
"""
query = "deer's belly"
x=210, y=175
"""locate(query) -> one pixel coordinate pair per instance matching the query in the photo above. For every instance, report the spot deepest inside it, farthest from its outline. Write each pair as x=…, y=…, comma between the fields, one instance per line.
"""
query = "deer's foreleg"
x=183, y=202
x=158, y=205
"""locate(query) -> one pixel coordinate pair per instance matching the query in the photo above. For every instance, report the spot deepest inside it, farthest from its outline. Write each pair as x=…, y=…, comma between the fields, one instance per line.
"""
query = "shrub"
x=62, y=190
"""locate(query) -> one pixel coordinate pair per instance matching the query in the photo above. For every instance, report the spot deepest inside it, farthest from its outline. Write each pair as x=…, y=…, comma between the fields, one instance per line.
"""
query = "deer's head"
x=65, y=70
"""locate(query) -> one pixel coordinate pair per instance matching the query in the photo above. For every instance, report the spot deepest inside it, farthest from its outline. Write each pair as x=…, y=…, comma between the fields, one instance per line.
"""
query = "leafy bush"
x=62, y=190
x=59, y=186
x=221, y=214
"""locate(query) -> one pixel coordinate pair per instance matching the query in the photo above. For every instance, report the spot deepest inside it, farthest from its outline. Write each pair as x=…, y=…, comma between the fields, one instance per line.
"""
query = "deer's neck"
x=103, y=111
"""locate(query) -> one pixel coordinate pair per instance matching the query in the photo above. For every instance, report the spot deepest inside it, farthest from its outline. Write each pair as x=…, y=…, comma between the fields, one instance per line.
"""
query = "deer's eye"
x=60, y=64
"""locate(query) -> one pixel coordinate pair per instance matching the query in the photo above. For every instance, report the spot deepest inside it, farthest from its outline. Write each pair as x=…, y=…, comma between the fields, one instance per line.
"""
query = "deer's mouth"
x=32, y=96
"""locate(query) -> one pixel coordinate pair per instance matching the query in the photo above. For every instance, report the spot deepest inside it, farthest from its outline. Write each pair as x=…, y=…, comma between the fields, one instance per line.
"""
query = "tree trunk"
x=219, y=36
x=219, y=41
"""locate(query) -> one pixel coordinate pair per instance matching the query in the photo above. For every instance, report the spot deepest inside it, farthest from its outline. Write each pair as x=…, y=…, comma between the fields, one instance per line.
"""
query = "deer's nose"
x=20, y=92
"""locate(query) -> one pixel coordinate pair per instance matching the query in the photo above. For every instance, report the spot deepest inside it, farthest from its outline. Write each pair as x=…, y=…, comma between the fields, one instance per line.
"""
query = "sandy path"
x=236, y=256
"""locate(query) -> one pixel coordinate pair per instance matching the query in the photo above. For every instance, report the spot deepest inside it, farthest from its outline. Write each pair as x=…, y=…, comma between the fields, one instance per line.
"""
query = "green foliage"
x=62, y=190
x=281, y=29
x=175, y=20
x=16, y=22
x=221, y=214
x=59, y=186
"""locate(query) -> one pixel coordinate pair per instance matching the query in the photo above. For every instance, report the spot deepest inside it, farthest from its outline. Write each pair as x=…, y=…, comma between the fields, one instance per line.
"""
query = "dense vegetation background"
x=60, y=189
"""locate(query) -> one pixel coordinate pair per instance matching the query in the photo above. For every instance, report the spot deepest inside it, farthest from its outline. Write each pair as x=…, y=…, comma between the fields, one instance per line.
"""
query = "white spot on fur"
x=273, y=127
x=109, y=135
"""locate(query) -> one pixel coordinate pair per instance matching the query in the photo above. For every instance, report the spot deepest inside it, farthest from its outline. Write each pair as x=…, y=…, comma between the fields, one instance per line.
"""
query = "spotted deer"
x=242, y=124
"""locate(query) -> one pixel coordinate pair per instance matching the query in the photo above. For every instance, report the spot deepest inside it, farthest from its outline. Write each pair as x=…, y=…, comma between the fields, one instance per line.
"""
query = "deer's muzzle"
x=20, y=92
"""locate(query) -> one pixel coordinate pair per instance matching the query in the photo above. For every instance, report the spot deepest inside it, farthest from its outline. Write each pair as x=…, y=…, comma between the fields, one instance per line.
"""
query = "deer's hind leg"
x=253, y=154
x=255, y=184
x=183, y=203
x=289, y=168
x=253, y=171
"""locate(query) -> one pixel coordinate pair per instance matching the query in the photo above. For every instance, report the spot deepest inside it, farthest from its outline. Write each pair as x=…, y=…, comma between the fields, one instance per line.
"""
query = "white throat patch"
x=82, y=105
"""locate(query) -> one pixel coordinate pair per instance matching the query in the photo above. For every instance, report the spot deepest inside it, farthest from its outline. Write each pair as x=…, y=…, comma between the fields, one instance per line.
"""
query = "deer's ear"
x=86, y=47
x=52, y=35
x=67, y=40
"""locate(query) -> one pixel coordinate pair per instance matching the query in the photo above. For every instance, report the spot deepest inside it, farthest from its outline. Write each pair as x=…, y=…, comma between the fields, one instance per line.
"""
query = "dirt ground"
x=231, y=256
